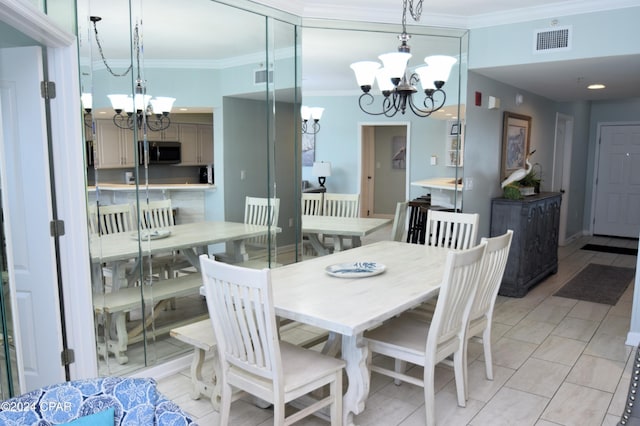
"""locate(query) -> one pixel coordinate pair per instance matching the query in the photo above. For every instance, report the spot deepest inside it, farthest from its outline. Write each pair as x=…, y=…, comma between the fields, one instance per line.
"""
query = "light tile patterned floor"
x=557, y=361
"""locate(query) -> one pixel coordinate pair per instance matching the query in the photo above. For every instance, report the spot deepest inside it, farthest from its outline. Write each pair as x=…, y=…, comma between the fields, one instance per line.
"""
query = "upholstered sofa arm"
x=135, y=401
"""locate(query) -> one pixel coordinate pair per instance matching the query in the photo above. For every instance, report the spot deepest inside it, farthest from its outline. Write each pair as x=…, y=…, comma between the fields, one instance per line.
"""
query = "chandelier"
x=398, y=86
x=141, y=110
x=314, y=114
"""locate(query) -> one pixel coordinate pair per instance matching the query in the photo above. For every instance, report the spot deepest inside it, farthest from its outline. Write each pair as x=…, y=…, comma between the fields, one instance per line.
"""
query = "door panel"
x=617, y=211
x=27, y=197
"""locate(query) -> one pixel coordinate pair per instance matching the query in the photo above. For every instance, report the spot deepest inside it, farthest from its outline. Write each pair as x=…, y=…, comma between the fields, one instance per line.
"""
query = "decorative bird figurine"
x=520, y=173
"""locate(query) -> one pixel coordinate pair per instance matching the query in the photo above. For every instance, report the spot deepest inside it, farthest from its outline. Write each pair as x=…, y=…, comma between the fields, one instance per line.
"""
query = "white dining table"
x=346, y=307
x=338, y=228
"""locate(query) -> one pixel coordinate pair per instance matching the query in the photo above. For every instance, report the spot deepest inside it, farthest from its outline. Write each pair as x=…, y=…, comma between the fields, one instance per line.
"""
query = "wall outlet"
x=243, y=174
x=290, y=222
x=434, y=160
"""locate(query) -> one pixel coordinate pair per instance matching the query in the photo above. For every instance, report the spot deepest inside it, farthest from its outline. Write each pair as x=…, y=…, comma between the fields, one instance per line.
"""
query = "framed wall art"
x=515, y=142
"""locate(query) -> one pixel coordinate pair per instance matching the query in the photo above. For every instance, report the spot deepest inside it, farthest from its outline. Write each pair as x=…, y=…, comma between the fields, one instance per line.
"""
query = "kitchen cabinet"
x=172, y=134
x=197, y=144
x=114, y=147
x=534, y=249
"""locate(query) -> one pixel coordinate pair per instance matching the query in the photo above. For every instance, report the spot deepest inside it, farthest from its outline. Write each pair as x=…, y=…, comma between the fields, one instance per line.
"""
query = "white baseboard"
x=633, y=338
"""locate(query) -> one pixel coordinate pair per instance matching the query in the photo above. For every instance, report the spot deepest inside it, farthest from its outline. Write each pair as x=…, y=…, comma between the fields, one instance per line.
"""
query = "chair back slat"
x=459, y=285
x=399, y=222
x=156, y=214
x=451, y=230
x=312, y=203
x=342, y=205
x=495, y=262
x=261, y=211
x=113, y=219
x=240, y=305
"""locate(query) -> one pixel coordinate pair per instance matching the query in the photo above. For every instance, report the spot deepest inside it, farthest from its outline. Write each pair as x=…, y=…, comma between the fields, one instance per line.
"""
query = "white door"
x=27, y=199
x=617, y=193
x=562, y=169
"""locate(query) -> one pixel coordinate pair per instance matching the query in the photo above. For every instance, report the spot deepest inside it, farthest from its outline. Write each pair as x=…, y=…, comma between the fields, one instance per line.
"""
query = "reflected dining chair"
x=451, y=229
x=411, y=340
x=252, y=358
x=312, y=203
x=160, y=214
x=261, y=211
x=481, y=315
x=341, y=205
x=111, y=218
x=399, y=226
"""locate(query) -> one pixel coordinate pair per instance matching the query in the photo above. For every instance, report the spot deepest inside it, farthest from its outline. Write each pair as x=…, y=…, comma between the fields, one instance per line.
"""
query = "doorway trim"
x=564, y=186
x=361, y=160
x=68, y=175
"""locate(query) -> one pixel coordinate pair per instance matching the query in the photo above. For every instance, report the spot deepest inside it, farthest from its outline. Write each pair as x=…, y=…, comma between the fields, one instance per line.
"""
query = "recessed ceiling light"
x=596, y=86
x=183, y=109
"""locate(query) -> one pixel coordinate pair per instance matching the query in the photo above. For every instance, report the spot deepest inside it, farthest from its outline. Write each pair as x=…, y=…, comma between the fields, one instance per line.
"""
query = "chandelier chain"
x=104, y=60
x=415, y=12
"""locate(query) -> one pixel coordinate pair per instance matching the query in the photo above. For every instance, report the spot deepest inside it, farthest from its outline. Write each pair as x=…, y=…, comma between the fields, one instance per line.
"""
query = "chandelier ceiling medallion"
x=397, y=84
x=141, y=110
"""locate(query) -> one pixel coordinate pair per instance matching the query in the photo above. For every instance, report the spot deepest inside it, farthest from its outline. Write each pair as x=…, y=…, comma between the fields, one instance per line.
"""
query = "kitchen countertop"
x=154, y=186
x=439, y=183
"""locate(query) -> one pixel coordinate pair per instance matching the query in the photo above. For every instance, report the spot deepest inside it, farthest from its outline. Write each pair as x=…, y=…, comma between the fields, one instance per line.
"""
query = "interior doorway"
x=617, y=181
x=384, y=168
x=561, y=178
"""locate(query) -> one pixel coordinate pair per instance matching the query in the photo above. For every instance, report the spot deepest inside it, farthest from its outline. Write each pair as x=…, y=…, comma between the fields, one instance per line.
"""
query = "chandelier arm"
x=385, y=104
x=160, y=123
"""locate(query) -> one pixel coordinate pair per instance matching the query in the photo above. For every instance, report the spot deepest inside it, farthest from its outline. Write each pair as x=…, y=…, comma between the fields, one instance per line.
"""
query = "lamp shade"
x=365, y=72
x=316, y=113
x=441, y=66
x=87, y=101
x=305, y=112
x=119, y=102
x=395, y=63
x=162, y=104
x=321, y=168
x=427, y=77
x=384, y=80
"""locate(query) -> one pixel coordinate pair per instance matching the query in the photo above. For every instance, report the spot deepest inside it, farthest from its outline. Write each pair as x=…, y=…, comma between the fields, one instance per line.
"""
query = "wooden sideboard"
x=534, y=249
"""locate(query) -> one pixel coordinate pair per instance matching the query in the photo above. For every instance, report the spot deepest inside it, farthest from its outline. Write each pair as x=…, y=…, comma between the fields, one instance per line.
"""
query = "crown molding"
x=344, y=11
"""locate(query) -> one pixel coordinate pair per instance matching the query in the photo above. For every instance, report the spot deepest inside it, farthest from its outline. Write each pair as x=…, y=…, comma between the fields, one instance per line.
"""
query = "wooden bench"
x=200, y=336
x=116, y=304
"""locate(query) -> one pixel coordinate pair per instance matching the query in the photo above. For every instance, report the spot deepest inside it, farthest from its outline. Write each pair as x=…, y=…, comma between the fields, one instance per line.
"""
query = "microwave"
x=160, y=152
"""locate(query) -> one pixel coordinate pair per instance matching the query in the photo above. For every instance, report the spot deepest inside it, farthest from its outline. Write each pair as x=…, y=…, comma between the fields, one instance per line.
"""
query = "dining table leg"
x=355, y=353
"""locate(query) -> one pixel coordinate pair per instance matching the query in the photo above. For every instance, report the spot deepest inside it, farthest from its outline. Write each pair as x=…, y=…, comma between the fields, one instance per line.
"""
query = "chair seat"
x=300, y=368
x=406, y=332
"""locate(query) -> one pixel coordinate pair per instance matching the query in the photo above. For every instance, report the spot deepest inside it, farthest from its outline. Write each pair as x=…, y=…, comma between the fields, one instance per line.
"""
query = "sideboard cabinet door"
x=534, y=249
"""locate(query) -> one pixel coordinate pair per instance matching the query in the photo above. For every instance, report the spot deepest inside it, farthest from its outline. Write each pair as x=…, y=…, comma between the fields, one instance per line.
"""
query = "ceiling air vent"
x=260, y=76
x=552, y=40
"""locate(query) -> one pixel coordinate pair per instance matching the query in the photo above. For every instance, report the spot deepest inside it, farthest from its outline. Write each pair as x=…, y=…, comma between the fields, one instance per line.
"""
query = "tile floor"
x=557, y=361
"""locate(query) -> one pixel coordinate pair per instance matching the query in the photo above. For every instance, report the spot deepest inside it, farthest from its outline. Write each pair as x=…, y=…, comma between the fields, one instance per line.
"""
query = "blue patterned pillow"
x=102, y=418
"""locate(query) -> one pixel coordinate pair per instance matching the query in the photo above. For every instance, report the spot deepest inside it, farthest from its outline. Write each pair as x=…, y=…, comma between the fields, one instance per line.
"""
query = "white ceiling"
x=174, y=39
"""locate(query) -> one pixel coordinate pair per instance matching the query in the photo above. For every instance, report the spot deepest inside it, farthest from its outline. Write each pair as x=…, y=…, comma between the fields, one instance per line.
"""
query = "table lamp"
x=321, y=170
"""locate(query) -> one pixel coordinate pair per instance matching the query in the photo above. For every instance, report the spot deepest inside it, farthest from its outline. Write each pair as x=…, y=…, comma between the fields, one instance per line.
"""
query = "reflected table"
x=338, y=228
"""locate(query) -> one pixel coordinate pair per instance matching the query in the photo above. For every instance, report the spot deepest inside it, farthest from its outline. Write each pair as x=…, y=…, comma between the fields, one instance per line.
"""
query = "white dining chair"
x=160, y=214
x=156, y=214
x=481, y=315
x=342, y=205
x=112, y=218
x=451, y=229
x=312, y=203
x=410, y=340
x=251, y=356
x=399, y=226
x=262, y=211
